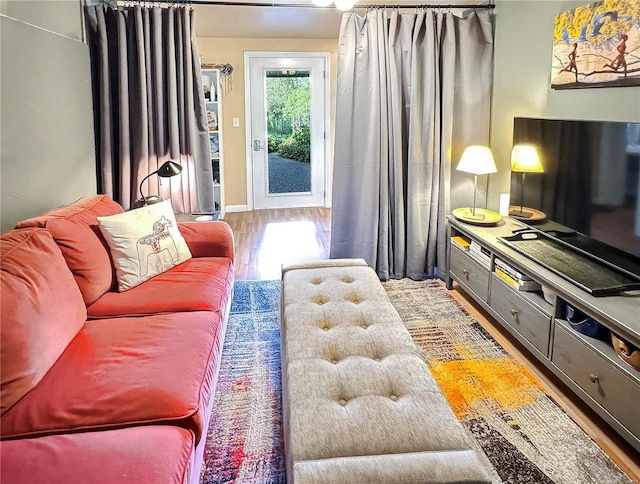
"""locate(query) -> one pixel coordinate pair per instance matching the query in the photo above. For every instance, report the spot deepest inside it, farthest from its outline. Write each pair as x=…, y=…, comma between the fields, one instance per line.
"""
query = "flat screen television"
x=590, y=188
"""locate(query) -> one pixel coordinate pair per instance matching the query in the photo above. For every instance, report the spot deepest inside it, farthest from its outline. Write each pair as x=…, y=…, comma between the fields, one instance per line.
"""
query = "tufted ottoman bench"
x=360, y=405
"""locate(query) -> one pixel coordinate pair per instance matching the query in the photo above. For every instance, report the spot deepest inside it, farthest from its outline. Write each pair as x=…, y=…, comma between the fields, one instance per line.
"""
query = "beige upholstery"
x=359, y=403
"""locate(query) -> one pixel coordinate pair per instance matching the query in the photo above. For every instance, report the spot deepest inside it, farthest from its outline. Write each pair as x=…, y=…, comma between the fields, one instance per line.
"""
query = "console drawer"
x=608, y=385
x=470, y=273
x=520, y=314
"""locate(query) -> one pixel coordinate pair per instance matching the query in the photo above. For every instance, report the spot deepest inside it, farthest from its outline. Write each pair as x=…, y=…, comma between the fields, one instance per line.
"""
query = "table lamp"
x=479, y=161
x=168, y=169
x=524, y=159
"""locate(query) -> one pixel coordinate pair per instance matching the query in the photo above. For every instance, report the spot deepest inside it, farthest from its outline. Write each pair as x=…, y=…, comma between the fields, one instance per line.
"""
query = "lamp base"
x=526, y=213
x=474, y=215
x=520, y=213
x=481, y=216
x=150, y=200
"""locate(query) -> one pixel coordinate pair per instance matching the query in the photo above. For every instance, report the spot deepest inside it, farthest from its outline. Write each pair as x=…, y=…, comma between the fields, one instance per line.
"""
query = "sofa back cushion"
x=41, y=311
x=75, y=230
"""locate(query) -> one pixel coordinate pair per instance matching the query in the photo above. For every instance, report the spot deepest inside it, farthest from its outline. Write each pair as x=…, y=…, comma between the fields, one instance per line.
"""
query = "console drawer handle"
x=594, y=378
x=465, y=272
x=514, y=312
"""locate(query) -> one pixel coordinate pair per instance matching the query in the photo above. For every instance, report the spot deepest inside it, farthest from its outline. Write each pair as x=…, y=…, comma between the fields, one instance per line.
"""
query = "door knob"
x=257, y=145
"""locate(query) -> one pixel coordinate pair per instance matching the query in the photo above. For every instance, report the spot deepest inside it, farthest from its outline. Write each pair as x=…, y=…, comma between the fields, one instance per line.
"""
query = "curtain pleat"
x=413, y=87
x=148, y=105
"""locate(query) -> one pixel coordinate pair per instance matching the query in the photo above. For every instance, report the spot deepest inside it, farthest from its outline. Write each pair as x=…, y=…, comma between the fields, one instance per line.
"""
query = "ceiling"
x=267, y=22
x=295, y=22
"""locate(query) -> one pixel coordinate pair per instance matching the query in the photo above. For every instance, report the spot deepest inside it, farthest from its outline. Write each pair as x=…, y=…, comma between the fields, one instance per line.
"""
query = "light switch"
x=236, y=122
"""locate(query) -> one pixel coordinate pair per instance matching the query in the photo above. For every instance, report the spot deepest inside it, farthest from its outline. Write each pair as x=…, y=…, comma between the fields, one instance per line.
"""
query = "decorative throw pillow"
x=144, y=242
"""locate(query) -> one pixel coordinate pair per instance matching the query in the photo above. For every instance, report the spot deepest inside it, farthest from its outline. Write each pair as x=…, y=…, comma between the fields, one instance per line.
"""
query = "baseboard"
x=236, y=208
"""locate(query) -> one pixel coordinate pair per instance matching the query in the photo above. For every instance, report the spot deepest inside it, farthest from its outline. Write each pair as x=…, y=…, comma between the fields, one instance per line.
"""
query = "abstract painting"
x=597, y=45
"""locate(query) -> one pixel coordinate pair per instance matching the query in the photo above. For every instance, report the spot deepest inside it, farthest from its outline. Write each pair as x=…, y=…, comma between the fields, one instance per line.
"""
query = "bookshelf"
x=212, y=93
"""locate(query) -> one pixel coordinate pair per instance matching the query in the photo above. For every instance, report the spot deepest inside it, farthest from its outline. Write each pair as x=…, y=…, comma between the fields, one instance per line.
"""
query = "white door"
x=286, y=129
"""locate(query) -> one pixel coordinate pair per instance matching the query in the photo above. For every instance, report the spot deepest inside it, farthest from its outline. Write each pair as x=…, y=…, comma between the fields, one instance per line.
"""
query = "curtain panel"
x=148, y=105
x=413, y=89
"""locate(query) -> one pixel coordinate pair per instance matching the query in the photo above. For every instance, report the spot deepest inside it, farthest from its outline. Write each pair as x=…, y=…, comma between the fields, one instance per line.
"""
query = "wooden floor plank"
x=267, y=239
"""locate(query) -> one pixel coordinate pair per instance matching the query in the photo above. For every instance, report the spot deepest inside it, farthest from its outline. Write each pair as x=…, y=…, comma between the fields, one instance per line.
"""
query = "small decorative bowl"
x=626, y=351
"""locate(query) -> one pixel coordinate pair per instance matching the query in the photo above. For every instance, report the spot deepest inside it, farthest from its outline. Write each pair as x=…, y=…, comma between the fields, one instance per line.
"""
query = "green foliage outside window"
x=288, y=117
x=297, y=146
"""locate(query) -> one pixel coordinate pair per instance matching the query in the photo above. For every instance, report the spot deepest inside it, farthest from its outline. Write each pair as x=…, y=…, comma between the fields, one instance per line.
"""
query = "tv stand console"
x=538, y=320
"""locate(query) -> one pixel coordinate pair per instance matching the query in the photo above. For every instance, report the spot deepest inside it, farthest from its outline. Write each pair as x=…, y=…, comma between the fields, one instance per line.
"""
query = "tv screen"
x=589, y=190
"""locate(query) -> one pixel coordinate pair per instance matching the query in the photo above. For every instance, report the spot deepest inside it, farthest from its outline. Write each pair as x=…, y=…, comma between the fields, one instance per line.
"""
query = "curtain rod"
x=307, y=5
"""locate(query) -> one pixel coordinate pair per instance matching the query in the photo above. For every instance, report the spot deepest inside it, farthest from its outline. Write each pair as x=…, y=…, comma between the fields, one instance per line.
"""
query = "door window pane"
x=288, y=131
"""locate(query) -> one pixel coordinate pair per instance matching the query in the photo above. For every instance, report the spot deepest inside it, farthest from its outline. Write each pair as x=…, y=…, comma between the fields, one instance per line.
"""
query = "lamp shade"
x=169, y=168
x=477, y=160
x=525, y=159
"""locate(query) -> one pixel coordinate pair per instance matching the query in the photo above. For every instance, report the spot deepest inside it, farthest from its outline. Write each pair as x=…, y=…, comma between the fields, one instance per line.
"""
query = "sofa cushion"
x=41, y=312
x=205, y=283
x=126, y=371
x=146, y=454
x=143, y=242
x=75, y=230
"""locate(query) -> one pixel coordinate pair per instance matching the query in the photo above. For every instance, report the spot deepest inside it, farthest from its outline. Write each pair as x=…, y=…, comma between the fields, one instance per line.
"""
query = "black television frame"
x=557, y=141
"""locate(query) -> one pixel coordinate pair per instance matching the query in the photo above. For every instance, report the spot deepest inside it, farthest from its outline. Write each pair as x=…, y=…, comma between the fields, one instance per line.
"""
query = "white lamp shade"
x=477, y=160
x=525, y=159
x=344, y=4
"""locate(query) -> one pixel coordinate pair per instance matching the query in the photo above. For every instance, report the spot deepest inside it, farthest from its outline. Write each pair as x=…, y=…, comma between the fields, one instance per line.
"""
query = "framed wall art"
x=597, y=45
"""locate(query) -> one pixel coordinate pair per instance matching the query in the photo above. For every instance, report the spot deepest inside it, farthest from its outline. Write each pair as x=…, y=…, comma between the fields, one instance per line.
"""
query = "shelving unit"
x=588, y=366
x=213, y=103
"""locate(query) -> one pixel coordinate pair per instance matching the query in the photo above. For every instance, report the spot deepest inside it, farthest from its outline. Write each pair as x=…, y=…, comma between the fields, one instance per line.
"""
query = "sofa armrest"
x=208, y=239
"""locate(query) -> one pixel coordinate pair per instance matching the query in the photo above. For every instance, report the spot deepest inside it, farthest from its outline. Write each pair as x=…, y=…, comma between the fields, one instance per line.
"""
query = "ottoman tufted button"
x=316, y=282
x=393, y=397
x=334, y=361
x=377, y=359
x=320, y=300
x=364, y=325
x=342, y=402
x=355, y=300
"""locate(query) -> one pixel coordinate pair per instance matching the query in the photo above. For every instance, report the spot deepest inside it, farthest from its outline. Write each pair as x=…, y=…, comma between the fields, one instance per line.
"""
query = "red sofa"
x=98, y=385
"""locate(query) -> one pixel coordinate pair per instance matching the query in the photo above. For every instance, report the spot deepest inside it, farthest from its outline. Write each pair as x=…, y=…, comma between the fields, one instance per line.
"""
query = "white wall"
x=47, y=156
x=523, y=54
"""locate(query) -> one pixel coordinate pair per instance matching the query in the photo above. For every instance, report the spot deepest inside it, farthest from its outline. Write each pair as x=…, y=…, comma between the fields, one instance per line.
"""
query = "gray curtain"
x=414, y=88
x=148, y=105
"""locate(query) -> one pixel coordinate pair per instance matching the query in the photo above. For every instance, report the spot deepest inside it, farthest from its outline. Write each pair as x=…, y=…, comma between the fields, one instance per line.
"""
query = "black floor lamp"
x=168, y=169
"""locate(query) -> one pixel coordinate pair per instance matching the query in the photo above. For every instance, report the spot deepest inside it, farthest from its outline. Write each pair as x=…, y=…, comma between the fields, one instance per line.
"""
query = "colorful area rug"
x=244, y=441
x=519, y=431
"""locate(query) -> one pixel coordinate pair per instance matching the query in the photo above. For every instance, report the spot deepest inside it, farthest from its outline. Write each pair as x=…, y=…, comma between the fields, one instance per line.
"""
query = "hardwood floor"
x=266, y=239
